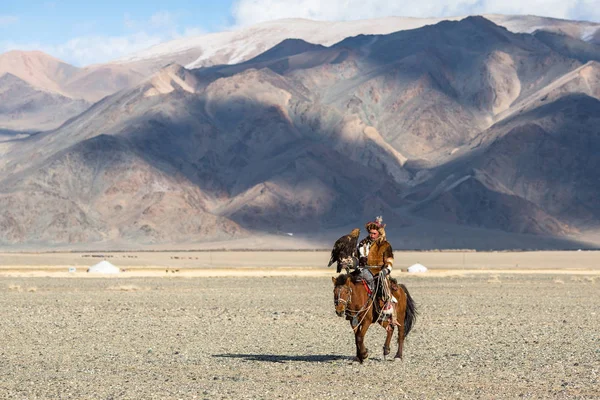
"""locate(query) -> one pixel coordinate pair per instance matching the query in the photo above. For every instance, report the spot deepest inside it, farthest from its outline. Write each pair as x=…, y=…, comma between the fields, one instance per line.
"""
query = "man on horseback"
x=363, y=302
x=375, y=251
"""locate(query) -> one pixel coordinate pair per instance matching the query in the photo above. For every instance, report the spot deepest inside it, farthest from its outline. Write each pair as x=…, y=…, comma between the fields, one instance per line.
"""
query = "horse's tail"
x=411, y=312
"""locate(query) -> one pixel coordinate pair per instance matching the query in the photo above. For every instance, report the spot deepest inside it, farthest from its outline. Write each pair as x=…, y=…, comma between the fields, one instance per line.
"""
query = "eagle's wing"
x=353, y=246
x=338, y=251
x=333, y=257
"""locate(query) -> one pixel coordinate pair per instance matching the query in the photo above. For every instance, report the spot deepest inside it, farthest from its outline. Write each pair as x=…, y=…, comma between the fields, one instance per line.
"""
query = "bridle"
x=338, y=296
x=350, y=314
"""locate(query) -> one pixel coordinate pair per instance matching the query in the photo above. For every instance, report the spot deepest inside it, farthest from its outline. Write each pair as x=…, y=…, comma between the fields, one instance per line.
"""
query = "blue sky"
x=83, y=33
x=61, y=20
x=64, y=28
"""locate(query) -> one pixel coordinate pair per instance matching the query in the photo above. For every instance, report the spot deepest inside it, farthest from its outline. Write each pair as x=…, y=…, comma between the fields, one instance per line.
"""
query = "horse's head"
x=342, y=294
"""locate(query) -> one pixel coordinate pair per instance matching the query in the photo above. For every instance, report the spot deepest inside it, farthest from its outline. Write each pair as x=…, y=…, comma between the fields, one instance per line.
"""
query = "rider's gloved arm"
x=388, y=257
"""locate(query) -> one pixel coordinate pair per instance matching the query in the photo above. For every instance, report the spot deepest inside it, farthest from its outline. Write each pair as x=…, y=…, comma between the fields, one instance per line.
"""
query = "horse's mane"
x=341, y=279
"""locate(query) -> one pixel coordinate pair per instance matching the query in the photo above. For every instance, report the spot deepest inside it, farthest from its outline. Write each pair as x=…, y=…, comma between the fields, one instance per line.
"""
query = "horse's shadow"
x=278, y=358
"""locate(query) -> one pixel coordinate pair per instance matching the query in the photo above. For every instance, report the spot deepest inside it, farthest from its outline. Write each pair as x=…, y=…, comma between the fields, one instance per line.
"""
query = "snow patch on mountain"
x=235, y=46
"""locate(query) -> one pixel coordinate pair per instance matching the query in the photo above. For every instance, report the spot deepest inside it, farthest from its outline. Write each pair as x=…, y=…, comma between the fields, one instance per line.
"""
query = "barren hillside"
x=459, y=125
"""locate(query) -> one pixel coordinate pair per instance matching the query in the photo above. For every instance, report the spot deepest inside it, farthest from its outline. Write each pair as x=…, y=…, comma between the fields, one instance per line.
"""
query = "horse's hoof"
x=397, y=359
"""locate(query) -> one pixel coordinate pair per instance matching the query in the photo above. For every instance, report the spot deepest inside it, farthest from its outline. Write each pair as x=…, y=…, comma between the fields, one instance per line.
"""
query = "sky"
x=83, y=33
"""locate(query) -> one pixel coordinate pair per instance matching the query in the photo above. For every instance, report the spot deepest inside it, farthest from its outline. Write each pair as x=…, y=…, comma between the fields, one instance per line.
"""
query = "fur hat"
x=378, y=225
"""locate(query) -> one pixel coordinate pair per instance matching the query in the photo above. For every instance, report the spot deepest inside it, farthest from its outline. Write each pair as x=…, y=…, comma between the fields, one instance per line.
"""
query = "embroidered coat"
x=377, y=252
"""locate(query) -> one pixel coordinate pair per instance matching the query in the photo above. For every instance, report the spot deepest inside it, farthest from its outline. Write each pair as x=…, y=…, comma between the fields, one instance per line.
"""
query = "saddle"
x=356, y=278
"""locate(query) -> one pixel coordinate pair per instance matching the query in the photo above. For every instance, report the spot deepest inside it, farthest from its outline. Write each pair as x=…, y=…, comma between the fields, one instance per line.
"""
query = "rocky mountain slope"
x=40, y=92
x=24, y=107
x=232, y=47
x=462, y=124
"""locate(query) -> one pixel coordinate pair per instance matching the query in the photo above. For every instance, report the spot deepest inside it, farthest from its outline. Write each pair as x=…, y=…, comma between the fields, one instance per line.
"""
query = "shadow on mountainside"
x=263, y=153
x=272, y=186
x=266, y=177
x=546, y=155
x=266, y=172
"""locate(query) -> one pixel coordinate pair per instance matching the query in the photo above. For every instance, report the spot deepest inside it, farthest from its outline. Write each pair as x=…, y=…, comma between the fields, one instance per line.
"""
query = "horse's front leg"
x=362, y=353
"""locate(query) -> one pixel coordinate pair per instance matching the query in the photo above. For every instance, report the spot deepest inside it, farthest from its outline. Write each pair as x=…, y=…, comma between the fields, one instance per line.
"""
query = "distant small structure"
x=104, y=267
x=415, y=268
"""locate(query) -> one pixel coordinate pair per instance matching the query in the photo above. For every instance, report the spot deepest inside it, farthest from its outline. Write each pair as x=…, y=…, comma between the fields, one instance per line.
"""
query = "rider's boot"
x=390, y=304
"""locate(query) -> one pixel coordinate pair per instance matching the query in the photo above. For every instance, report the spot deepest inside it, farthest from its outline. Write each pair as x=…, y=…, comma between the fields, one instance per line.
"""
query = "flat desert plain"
x=224, y=325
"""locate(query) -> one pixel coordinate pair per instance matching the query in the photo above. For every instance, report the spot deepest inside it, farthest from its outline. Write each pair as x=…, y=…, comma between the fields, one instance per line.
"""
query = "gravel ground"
x=477, y=336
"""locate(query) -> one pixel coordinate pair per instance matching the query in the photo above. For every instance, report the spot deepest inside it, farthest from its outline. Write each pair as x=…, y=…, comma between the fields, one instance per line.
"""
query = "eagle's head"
x=355, y=232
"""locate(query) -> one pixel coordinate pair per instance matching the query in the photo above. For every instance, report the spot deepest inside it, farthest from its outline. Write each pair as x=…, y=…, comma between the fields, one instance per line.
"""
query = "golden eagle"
x=344, y=249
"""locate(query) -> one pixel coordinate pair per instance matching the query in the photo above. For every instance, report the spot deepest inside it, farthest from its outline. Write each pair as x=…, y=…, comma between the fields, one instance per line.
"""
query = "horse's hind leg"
x=398, y=355
x=388, y=339
x=400, y=315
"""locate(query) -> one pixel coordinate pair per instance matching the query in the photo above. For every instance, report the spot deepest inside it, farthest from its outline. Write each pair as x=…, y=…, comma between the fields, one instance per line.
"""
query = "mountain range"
x=461, y=133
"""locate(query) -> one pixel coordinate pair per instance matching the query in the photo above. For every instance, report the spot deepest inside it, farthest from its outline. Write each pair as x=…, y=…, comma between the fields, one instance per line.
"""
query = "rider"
x=375, y=251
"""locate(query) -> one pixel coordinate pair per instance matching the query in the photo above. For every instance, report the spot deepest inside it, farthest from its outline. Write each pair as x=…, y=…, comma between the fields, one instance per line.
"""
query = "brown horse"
x=351, y=299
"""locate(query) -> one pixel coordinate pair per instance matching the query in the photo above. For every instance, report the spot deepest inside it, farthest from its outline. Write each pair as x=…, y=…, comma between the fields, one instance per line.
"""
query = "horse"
x=351, y=298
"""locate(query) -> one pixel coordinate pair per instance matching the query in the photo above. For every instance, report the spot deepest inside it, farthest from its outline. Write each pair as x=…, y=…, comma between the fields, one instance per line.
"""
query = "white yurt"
x=417, y=268
x=104, y=267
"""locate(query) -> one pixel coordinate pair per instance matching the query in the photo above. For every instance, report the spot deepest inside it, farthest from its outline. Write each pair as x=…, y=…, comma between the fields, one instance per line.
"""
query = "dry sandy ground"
x=498, y=334
x=317, y=260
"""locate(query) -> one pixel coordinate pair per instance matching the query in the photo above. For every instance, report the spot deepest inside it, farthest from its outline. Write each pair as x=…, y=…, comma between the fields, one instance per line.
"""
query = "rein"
x=364, y=309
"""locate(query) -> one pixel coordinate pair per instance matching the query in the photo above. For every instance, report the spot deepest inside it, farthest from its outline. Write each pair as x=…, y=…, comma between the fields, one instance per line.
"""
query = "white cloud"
x=162, y=19
x=93, y=49
x=248, y=12
x=8, y=45
x=129, y=22
x=8, y=20
x=87, y=50
x=158, y=21
x=188, y=32
x=96, y=49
